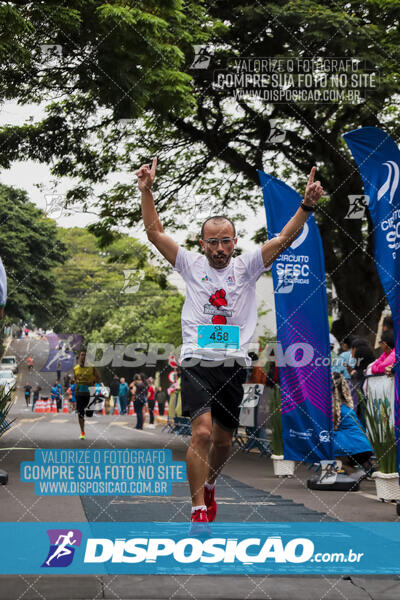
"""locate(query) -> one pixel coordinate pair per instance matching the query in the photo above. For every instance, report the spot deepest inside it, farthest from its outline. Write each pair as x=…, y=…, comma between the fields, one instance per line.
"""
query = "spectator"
x=339, y=365
x=35, y=396
x=257, y=435
x=161, y=397
x=388, y=356
x=27, y=392
x=140, y=399
x=363, y=355
x=71, y=396
x=54, y=395
x=67, y=381
x=60, y=394
x=132, y=392
x=151, y=392
x=123, y=395
x=350, y=442
x=144, y=378
x=114, y=392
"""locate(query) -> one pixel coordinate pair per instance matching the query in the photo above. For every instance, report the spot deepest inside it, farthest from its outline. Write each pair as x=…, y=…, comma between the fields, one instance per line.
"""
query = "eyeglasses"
x=213, y=242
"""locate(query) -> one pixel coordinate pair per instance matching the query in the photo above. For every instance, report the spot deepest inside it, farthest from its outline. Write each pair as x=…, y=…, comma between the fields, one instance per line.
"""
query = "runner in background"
x=35, y=396
x=27, y=392
x=85, y=376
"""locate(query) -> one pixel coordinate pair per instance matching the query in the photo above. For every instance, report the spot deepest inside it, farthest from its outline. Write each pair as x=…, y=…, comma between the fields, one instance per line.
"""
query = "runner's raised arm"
x=274, y=247
x=154, y=230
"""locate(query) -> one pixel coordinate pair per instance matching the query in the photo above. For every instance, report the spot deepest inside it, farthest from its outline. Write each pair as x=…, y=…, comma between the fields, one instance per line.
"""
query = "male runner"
x=218, y=321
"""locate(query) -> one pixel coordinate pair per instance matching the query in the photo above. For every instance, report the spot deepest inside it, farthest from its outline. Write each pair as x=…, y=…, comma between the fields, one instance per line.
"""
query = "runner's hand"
x=146, y=176
x=314, y=190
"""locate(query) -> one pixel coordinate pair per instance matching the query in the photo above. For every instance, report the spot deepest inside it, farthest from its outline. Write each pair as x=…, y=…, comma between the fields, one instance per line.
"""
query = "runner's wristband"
x=307, y=208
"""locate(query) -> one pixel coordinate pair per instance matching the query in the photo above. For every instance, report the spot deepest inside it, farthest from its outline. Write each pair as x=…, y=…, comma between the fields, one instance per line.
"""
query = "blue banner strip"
x=378, y=160
x=224, y=548
x=302, y=330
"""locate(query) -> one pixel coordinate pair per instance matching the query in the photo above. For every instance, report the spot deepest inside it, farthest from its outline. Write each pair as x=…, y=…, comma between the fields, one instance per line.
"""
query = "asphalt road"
x=249, y=492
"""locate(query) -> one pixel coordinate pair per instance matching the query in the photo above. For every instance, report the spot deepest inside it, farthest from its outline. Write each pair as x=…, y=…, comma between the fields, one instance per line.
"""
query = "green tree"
x=205, y=139
x=104, y=305
x=30, y=250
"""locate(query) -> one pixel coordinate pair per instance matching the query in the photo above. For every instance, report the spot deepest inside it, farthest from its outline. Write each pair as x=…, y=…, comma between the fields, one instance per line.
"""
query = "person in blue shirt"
x=72, y=387
x=123, y=395
x=344, y=358
x=350, y=442
x=54, y=395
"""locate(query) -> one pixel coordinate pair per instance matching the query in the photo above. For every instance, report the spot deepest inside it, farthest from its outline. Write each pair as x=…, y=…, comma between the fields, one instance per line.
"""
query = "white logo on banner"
x=298, y=241
x=392, y=180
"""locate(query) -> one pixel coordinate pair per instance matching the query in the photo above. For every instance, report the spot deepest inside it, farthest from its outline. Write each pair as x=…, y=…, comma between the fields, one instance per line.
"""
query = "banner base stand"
x=3, y=477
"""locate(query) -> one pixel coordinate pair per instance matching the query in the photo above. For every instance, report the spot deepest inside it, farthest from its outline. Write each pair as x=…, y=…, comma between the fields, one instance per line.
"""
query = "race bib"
x=218, y=336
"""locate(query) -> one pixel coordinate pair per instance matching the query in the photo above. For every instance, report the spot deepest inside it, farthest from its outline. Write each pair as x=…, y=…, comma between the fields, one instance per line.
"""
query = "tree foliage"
x=104, y=305
x=30, y=250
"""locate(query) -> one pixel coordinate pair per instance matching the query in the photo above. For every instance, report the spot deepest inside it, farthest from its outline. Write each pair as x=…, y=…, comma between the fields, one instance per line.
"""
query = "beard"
x=220, y=260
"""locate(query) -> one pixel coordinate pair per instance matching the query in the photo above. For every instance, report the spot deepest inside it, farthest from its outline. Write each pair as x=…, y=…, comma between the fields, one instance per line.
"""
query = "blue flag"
x=378, y=160
x=302, y=330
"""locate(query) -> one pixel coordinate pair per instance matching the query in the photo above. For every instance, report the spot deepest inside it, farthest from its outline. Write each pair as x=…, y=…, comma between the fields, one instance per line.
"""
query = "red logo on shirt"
x=218, y=299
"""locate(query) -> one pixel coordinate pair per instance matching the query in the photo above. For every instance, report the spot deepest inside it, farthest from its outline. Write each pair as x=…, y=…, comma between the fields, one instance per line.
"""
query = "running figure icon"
x=62, y=549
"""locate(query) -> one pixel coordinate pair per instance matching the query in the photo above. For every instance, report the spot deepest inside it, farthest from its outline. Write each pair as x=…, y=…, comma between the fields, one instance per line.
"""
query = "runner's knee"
x=201, y=435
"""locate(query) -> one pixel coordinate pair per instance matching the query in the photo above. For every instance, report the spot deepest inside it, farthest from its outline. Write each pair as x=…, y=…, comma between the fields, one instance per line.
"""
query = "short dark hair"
x=388, y=322
x=388, y=338
x=218, y=218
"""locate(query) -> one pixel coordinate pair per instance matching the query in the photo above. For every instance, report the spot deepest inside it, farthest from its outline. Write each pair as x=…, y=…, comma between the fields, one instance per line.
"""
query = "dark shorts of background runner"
x=213, y=388
x=82, y=400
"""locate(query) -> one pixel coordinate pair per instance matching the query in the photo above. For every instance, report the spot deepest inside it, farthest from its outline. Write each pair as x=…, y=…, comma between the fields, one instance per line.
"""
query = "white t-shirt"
x=224, y=296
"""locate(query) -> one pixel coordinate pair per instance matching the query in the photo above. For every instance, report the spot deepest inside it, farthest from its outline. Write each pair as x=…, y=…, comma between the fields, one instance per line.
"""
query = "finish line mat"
x=236, y=502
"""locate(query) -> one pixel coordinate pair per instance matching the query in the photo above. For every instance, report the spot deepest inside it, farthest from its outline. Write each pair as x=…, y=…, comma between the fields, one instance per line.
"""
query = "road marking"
x=370, y=496
x=119, y=423
x=18, y=448
x=59, y=421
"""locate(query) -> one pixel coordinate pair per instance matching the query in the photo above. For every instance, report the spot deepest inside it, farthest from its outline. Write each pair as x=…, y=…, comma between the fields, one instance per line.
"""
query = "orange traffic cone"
x=131, y=410
x=156, y=410
x=116, y=411
x=166, y=407
x=39, y=406
x=65, y=406
x=54, y=406
x=103, y=408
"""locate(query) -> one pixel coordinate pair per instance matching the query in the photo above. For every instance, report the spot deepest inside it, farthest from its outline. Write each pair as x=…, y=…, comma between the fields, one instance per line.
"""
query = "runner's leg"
x=220, y=451
x=197, y=456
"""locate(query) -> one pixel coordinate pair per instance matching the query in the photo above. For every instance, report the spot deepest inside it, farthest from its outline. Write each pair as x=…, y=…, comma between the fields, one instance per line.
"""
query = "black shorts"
x=82, y=400
x=213, y=388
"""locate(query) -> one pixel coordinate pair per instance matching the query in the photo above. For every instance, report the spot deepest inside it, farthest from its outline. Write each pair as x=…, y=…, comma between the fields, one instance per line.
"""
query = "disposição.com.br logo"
x=62, y=547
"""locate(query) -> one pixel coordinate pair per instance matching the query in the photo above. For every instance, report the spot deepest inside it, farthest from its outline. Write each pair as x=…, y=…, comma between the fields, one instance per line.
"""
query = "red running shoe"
x=209, y=501
x=199, y=522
